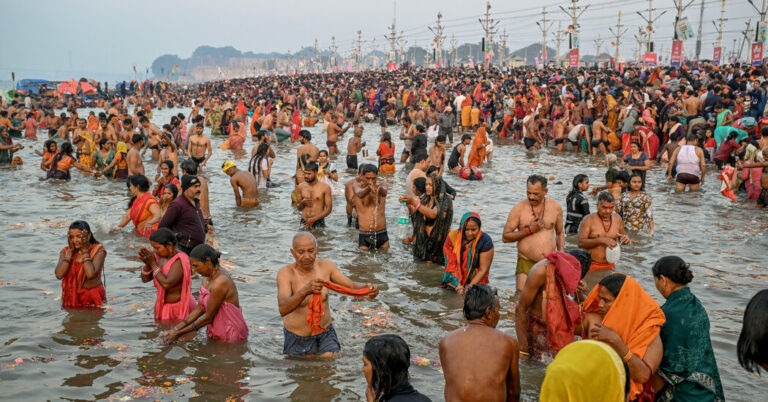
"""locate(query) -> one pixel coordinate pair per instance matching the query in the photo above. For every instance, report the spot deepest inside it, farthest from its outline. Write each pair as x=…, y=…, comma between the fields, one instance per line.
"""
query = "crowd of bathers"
x=679, y=120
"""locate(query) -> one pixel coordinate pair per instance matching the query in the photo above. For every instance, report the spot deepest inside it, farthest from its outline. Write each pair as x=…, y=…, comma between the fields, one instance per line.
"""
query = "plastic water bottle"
x=403, y=223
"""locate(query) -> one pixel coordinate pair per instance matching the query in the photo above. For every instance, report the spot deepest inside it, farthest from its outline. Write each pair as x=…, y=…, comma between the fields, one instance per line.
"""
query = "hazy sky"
x=105, y=38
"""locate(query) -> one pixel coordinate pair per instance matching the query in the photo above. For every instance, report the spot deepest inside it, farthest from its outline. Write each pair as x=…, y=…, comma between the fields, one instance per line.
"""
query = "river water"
x=48, y=353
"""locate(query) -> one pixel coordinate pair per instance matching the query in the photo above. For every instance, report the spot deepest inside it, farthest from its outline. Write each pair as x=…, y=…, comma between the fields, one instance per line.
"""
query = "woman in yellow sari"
x=86, y=148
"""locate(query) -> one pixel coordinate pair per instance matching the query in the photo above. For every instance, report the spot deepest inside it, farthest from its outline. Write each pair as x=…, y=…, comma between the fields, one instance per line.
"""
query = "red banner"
x=757, y=54
x=677, y=53
x=716, y=57
x=573, y=58
x=650, y=59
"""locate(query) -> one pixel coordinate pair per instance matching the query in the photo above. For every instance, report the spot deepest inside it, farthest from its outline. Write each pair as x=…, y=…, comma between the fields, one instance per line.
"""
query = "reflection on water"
x=115, y=353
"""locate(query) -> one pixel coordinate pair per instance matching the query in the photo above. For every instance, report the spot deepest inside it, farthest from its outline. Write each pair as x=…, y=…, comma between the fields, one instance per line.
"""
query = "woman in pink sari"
x=30, y=126
x=170, y=270
x=236, y=136
x=219, y=304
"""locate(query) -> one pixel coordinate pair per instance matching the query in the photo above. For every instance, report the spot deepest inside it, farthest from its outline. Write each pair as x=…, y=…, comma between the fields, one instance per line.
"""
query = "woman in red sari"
x=143, y=209
x=80, y=267
x=171, y=273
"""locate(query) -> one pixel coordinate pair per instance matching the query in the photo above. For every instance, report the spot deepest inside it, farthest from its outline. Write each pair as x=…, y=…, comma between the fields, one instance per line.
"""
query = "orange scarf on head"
x=315, y=308
x=634, y=316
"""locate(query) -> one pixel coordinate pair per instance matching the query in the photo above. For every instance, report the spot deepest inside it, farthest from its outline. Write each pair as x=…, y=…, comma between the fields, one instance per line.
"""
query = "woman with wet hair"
x=80, y=267
x=688, y=370
x=752, y=348
x=386, y=359
x=218, y=306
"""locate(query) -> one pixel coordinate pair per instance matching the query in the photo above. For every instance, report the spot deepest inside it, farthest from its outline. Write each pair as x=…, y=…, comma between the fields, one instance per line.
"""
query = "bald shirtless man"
x=199, y=147
x=333, y=134
x=315, y=202
x=296, y=283
x=244, y=181
x=601, y=230
x=536, y=225
x=135, y=165
x=480, y=363
x=371, y=202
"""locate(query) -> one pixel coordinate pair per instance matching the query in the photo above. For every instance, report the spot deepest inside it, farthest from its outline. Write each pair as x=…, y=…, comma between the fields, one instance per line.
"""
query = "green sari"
x=688, y=366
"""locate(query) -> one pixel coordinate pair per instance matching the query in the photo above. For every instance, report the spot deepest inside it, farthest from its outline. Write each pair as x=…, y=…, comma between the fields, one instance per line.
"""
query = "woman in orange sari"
x=80, y=267
x=620, y=313
x=478, y=152
x=143, y=209
x=386, y=153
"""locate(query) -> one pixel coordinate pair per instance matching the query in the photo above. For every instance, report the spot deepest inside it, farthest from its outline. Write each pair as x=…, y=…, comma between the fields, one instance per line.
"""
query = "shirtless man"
x=315, y=199
x=284, y=119
x=153, y=136
x=480, y=363
x=195, y=110
x=354, y=146
x=170, y=152
x=371, y=202
x=560, y=125
x=105, y=131
x=691, y=105
x=126, y=135
x=333, y=134
x=199, y=148
x=601, y=230
x=268, y=121
x=437, y=154
x=532, y=138
x=456, y=160
x=420, y=166
x=532, y=306
x=296, y=283
x=306, y=147
x=244, y=181
x=599, y=136
x=349, y=195
x=536, y=224
x=135, y=165
x=406, y=134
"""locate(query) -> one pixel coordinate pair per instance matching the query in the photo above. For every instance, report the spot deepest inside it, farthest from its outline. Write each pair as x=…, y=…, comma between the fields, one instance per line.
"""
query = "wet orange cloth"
x=74, y=295
x=315, y=308
x=477, y=154
x=634, y=316
x=93, y=123
x=601, y=265
x=140, y=212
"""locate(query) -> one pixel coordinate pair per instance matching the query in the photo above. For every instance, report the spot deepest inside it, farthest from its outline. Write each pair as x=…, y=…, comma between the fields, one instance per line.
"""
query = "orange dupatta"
x=477, y=155
x=315, y=308
x=634, y=316
x=139, y=212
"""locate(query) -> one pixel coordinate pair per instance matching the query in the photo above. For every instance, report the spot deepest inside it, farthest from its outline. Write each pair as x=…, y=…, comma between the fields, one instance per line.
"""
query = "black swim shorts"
x=372, y=240
x=529, y=143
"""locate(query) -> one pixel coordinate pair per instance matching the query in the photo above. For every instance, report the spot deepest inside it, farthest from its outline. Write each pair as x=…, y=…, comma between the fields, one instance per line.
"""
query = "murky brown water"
x=115, y=353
